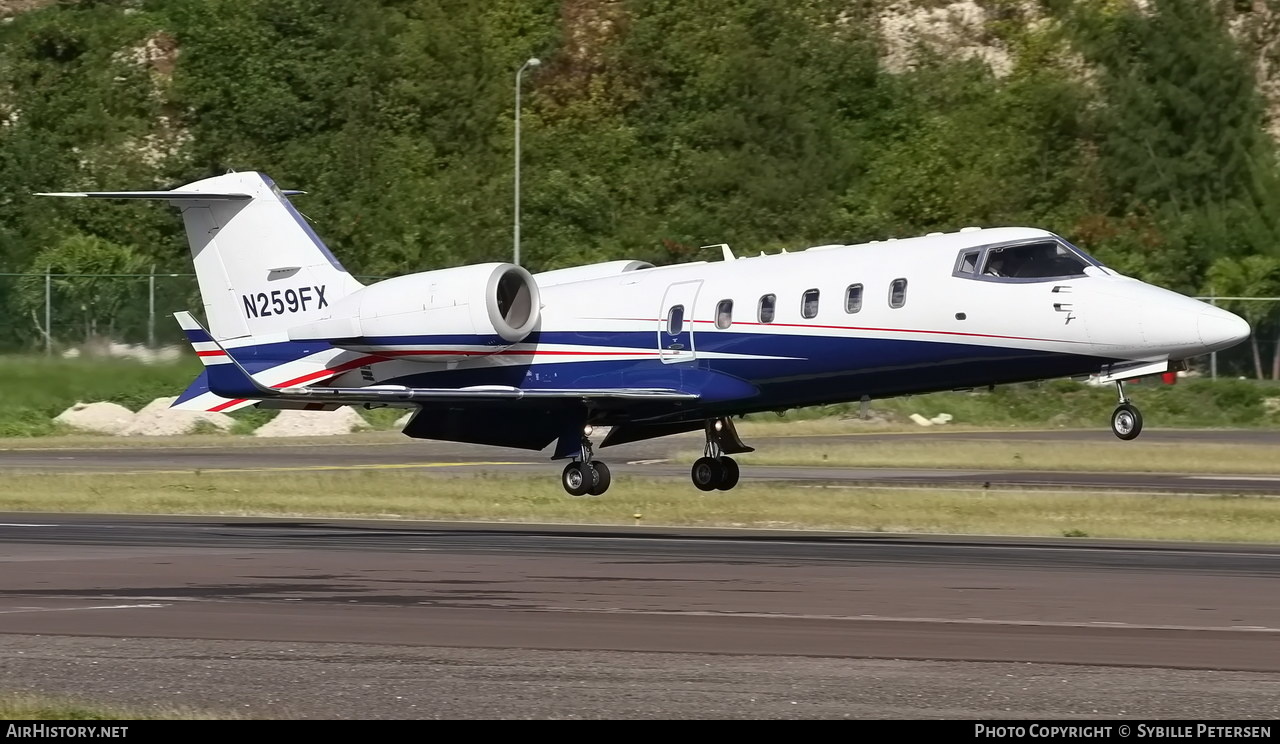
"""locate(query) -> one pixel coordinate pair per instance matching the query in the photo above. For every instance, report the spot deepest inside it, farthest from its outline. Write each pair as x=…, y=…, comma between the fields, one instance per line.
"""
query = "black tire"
x=706, y=473
x=729, y=477
x=602, y=480
x=577, y=479
x=1126, y=421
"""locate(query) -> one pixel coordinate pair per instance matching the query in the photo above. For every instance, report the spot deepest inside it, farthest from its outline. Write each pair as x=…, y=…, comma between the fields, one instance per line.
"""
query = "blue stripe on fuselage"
x=262, y=357
x=821, y=369
x=814, y=369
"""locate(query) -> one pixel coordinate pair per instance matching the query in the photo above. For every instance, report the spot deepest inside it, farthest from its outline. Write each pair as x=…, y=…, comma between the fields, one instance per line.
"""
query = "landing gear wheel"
x=1126, y=421
x=578, y=478
x=603, y=479
x=707, y=473
x=729, y=477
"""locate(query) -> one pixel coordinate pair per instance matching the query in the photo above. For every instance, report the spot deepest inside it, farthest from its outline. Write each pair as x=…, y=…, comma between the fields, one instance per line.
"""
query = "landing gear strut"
x=715, y=469
x=586, y=475
x=1126, y=420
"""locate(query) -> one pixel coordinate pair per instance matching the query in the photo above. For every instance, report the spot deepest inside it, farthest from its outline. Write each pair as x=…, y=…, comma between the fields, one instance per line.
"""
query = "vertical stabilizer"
x=260, y=266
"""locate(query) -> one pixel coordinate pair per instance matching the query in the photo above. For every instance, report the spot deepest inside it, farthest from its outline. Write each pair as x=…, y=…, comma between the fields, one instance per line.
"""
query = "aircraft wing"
x=227, y=378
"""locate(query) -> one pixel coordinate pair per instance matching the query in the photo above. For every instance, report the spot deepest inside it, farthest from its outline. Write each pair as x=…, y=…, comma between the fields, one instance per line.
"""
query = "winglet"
x=226, y=377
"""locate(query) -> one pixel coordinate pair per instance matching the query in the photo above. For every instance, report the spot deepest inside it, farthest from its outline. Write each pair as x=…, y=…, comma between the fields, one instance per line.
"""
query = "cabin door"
x=675, y=323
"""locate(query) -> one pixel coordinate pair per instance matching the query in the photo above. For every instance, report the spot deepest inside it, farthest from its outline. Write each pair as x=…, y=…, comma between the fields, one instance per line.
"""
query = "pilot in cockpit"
x=1001, y=264
x=1035, y=261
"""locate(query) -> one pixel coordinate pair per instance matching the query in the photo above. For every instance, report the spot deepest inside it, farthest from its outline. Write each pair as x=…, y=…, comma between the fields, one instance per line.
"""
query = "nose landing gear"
x=715, y=469
x=1126, y=420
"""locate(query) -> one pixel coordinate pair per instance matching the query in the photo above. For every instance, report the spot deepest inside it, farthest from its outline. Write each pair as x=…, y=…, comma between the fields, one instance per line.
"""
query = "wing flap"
x=376, y=394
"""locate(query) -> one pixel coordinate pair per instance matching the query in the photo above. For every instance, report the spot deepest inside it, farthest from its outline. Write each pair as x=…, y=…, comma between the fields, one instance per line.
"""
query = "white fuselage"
x=922, y=321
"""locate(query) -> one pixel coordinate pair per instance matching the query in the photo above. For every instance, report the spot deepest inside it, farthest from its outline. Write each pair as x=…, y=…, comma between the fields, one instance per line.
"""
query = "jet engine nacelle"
x=434, y=316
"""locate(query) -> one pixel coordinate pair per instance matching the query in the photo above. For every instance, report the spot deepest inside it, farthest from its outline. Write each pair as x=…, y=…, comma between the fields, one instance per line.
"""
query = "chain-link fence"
x=70, y=314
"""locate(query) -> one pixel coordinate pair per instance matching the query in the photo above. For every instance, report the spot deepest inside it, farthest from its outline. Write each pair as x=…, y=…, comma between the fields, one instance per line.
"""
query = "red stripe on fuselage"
x=509, y=352
x=332, y=372
x=389, y=354
x=862, y=328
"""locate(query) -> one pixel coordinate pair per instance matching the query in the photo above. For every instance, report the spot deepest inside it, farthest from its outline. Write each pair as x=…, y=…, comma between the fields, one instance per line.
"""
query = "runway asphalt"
x=309, y=618
x=663, y=458
x=590, y=593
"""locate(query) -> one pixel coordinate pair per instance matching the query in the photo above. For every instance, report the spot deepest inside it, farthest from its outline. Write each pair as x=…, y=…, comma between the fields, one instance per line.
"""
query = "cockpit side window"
x=1033, y=261
x=1044, y=259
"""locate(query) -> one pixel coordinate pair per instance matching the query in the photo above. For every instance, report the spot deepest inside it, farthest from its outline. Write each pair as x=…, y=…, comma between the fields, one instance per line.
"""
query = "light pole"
x=531, y=62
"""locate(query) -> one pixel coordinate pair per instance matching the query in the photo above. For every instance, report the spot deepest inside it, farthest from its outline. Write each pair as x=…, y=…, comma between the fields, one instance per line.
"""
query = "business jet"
x=491, y=354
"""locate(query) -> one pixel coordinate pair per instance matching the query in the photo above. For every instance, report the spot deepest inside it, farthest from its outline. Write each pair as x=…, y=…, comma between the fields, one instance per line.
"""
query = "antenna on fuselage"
x=724, y=250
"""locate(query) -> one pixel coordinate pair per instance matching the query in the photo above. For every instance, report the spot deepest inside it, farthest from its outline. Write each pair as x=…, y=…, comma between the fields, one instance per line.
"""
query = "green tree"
x=82, y=284
x=653, y=127
x=1179, y=134
x=748, y=128
x=1182, y=116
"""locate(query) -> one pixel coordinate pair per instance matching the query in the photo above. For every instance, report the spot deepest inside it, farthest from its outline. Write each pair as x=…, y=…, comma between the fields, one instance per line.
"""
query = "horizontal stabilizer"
x=175, y=195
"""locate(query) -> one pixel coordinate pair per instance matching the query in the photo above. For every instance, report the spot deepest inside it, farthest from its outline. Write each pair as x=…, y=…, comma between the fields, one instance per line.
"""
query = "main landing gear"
x=715, y=469
x=1126, y=420
x=586, y=475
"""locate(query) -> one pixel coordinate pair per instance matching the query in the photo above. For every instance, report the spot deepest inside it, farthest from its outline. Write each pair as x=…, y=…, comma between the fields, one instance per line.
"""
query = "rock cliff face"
x=13, y=7
x=985, y=30
x=988, y=30
x=959, y=30
x=1257, y=28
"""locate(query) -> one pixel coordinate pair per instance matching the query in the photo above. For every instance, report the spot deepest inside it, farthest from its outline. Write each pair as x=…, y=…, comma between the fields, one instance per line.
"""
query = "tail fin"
x=260, y=266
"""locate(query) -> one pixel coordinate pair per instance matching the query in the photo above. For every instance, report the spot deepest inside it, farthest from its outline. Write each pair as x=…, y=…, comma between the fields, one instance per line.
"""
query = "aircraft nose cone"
x=1220, y=329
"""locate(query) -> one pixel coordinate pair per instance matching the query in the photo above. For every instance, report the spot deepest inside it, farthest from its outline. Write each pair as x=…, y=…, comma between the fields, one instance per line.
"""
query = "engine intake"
x=513, y=303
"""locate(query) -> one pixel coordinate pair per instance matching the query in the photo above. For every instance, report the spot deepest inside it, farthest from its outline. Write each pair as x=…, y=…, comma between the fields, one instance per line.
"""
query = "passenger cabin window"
x=724, y=314
x=767, y=306
x=853, y=298
x=968, y=262
x=1046, y=260
x=898, y=293
x=809, y=303
x=675, y=320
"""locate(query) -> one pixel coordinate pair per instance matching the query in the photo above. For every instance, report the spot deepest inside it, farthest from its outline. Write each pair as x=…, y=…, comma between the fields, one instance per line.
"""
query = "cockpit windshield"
x=1044, y=259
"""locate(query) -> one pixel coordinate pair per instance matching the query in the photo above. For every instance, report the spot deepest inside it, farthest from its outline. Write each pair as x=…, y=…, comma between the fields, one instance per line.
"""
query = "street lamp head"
x=533, y=62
